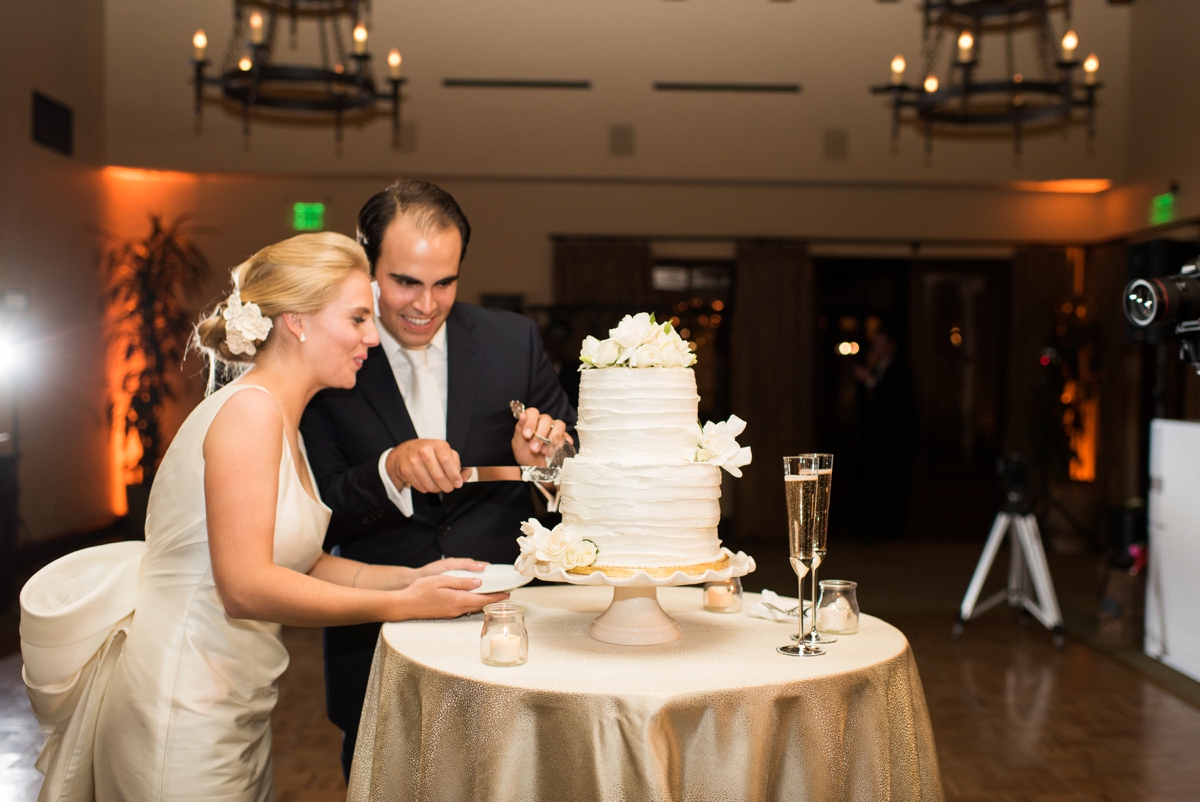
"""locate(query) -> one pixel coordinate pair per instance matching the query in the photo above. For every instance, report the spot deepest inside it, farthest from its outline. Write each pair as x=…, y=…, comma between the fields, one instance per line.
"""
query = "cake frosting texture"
x=632, y=489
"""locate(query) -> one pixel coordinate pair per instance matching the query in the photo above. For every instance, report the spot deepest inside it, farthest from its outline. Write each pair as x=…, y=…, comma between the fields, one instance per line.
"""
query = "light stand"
x=1027, y=565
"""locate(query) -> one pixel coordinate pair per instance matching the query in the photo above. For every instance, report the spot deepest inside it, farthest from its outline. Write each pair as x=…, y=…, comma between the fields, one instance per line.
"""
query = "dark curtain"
x=1120, y=366
x=1042, y=280
x=772, y=369
x=593, y=270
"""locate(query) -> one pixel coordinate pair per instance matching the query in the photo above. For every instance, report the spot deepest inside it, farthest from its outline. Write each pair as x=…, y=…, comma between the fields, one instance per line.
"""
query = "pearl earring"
x=302, y=337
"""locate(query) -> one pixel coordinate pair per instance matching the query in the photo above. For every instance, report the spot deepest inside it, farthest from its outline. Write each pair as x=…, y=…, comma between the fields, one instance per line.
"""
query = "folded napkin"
x=768, y=597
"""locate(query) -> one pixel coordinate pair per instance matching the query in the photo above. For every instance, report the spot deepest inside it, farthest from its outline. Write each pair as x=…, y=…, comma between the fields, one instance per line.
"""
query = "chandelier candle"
x=966, y=44
x=256, y=28
x=1069, y=42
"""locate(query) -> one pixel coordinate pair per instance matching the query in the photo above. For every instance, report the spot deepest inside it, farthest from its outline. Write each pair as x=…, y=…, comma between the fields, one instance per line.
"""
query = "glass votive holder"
x=837, y=610
x=724, y=596
x=504, y=641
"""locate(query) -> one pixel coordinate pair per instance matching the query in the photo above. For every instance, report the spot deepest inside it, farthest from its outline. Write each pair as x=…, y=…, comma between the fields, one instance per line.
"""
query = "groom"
x=431, y=399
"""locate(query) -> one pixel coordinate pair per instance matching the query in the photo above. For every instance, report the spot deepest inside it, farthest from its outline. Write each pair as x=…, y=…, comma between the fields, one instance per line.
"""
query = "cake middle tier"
x=646, y=515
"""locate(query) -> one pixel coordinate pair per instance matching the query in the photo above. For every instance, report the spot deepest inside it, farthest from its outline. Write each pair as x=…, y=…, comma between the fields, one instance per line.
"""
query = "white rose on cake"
x=638, y=341
x=633, y=330
x=646, y=356
x=548, y=549
x=599, y=353
x=717, y=444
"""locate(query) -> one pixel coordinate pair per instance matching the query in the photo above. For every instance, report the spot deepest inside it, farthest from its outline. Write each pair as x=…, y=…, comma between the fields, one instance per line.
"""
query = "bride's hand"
x=450, y=564
x=440, y=596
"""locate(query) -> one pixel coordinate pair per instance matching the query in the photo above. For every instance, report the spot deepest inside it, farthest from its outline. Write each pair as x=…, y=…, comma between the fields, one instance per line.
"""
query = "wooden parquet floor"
x=1015, y=719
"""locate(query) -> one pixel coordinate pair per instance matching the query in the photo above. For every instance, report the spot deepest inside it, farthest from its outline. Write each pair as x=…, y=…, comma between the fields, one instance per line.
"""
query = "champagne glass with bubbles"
x=824, y=468
x=800, y=488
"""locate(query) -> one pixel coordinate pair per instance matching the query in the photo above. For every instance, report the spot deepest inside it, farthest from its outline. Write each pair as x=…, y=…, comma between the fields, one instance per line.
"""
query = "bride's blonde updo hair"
x=301, y=274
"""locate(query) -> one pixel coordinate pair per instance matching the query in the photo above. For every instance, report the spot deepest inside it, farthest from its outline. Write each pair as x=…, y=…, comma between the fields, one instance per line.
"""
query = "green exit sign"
x=308, y=216
x=1162, y=208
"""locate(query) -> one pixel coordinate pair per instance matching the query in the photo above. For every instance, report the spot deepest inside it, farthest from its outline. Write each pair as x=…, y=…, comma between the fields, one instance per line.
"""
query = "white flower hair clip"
x=244, y=325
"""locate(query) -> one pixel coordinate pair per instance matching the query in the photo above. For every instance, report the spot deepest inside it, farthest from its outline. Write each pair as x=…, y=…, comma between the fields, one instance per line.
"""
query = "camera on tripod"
x=1013, y=472
x=1171, y=299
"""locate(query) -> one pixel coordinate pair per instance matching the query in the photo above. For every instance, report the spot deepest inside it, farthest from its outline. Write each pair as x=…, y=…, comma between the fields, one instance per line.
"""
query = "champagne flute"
x=800, y=488
x=824, y=465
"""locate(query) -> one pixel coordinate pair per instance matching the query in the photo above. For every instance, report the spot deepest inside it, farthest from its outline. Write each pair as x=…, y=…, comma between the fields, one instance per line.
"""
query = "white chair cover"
x=74, y=616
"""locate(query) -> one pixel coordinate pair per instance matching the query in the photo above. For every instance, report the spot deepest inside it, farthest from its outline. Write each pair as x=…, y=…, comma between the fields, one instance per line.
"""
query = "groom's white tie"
x=425, y=402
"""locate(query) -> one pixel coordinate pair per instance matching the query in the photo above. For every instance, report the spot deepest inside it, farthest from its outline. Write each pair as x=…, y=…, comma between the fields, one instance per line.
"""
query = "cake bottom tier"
x=656, y=571
x=645, y=517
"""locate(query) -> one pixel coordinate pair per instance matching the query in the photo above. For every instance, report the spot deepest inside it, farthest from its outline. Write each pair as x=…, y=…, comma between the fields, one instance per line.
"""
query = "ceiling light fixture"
x=253, y=75
x=962, y=99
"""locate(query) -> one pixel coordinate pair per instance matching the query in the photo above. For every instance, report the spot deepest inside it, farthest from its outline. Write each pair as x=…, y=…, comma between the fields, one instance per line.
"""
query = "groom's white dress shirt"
x=423, y=378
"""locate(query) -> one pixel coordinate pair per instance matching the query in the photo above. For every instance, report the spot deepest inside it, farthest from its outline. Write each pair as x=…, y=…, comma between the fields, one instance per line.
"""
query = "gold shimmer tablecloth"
x=717, y=715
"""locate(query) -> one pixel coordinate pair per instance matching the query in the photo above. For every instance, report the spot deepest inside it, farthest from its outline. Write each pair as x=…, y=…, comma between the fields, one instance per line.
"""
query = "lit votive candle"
x=718, y=597
x=836, y=617
x=504, y=648
x=723, y=596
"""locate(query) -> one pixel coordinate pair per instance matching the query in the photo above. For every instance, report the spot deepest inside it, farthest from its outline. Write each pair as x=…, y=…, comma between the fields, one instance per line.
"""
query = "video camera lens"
x=1163, y=300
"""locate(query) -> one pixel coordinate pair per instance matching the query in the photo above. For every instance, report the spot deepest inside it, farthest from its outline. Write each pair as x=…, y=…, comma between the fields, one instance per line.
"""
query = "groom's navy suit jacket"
x=494, y=357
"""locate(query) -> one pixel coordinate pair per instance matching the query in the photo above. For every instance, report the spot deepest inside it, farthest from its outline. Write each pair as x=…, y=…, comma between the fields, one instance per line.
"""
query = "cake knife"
x=514, y=473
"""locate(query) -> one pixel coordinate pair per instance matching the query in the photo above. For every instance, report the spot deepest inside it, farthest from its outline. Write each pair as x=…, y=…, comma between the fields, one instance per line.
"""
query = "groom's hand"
x=527, y=448
x=428, y=466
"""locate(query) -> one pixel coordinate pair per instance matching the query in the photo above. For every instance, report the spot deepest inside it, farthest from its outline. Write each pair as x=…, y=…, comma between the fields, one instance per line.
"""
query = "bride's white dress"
x=186, y=714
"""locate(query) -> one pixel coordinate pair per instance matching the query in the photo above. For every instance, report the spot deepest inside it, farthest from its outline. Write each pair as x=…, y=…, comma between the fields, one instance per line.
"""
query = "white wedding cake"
x=644, y=492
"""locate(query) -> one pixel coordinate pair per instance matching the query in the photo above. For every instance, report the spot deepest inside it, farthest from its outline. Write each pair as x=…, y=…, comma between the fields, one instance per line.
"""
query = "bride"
x=233, y=541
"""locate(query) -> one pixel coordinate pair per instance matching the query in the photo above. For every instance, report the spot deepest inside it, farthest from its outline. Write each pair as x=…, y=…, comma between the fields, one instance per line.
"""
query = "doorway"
x=949, y=320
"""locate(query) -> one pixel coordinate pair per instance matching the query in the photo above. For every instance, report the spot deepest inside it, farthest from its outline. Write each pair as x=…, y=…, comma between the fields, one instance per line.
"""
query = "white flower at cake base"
x=638, y=341
x=560, y=547
x=717, y=445
x=599, y=353
x=244, y=325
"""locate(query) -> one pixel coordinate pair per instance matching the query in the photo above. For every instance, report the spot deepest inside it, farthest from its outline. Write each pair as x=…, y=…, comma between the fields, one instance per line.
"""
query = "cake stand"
x=635, y=618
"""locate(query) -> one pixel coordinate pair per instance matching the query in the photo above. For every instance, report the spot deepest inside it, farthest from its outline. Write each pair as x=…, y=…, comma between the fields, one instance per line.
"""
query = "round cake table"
x=717, y=715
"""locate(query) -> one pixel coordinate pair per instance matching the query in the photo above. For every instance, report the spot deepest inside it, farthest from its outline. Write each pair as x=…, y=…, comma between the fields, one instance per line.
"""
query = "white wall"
x=836, y=50
x=513, y=220
x=1165, y=109
x=49, y=207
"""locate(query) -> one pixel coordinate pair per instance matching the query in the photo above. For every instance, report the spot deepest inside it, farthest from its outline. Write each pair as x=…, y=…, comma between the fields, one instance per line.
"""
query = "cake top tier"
x=638, y=341
x=637, y=416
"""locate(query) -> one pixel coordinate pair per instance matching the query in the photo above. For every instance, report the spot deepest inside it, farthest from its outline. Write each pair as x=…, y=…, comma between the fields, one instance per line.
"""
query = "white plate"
x=497, y=578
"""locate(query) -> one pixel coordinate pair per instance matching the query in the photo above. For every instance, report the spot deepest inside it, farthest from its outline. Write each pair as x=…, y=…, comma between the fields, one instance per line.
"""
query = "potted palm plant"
x=148, y=283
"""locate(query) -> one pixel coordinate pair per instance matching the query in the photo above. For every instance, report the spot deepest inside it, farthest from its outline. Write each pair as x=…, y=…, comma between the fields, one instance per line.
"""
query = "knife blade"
x=513, y=473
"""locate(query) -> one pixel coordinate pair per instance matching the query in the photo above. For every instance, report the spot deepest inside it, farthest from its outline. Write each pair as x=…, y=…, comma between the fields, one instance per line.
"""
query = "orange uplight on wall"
x=125, y=444
x=1083, y=441
x=1065, y=186
x=135, y=339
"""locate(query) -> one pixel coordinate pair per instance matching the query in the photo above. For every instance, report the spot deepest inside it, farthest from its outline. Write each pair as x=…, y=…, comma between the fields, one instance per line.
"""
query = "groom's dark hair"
x=428, y=206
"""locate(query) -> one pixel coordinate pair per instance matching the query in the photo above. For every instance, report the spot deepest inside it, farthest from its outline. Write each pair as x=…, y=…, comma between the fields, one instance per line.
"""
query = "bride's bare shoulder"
x=249, y=422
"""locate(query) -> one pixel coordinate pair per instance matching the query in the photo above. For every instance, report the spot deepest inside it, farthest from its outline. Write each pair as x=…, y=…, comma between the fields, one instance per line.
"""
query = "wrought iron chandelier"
x=1016, y=99
x=252, y=74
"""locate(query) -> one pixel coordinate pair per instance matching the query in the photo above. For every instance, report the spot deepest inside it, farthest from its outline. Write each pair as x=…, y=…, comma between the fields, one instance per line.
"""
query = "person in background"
x=888, y=440
x=433, y=399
